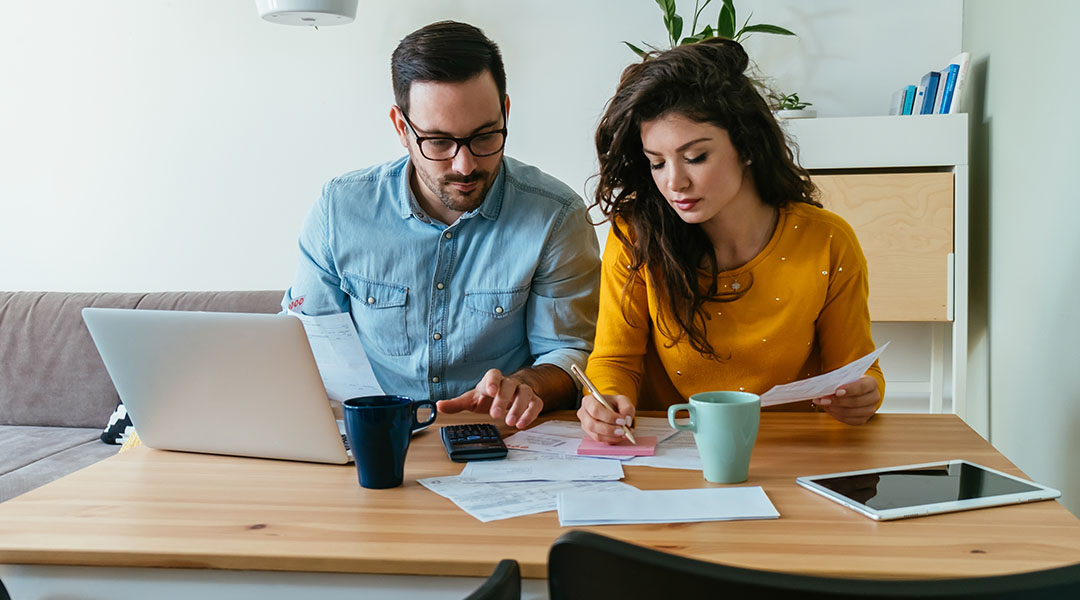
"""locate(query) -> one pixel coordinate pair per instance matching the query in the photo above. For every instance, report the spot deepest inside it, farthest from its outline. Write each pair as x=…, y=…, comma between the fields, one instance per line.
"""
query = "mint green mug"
x=725, y=426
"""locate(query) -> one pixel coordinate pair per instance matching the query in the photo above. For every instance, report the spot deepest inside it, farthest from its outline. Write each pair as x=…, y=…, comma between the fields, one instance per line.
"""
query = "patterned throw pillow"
x=119, y=427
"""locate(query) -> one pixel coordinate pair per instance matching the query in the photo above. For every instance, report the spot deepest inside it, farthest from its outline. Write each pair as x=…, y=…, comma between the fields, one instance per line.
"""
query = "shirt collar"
x=489, y=208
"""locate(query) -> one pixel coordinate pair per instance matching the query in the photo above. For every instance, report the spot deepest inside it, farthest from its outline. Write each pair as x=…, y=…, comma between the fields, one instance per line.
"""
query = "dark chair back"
x=503, y=584
x=587, y=565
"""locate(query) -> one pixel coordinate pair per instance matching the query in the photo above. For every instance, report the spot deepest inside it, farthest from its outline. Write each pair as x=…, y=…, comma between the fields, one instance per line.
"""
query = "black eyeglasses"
x=446, y=148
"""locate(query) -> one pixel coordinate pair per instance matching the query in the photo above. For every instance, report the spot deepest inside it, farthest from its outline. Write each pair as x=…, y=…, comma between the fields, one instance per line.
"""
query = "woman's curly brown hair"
x=706, y=83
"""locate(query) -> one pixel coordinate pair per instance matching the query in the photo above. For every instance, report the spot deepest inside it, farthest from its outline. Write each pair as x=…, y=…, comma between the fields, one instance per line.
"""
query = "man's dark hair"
x=447, y=51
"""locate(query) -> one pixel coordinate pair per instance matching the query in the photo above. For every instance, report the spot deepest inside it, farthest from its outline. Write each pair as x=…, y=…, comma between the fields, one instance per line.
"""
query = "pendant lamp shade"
x=320, y=13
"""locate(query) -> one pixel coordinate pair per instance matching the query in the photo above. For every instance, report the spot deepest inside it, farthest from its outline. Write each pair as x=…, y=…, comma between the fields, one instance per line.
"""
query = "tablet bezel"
x=1041, y=492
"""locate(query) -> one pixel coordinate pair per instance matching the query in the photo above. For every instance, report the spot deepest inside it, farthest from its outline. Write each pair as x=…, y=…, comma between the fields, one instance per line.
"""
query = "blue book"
x=930, y=83
x=909, y=100
x=950, y=86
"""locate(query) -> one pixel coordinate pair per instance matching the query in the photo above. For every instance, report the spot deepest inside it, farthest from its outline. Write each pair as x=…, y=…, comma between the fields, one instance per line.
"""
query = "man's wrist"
x=553, y=385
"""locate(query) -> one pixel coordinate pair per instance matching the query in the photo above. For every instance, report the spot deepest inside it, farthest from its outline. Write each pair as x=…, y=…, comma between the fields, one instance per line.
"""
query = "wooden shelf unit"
x=902, y=184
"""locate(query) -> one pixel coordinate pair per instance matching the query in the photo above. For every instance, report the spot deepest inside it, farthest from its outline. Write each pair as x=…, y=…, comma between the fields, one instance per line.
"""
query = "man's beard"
x=456, y=200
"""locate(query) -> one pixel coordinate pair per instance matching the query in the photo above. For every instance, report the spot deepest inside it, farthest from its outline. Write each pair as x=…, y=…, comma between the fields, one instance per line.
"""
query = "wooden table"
x=150, y=508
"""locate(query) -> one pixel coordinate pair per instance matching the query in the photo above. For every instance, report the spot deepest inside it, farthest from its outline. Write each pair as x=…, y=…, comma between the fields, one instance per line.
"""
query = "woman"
x=721, y=270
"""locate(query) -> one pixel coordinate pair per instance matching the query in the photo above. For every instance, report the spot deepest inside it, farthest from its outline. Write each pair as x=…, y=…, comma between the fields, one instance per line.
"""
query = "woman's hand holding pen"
x=604, y=425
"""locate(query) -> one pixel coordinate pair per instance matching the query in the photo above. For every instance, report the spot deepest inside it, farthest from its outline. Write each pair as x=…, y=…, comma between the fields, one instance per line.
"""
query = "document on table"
x=495, y=501
x=563, y=437
x=677, y=452
x=343, y=364
x=535, y=466
x=595, y=507
x=822, y=385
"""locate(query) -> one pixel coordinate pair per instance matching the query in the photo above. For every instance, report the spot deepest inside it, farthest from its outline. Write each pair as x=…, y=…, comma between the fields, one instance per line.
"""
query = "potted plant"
x=783, y=105
x=788, y=106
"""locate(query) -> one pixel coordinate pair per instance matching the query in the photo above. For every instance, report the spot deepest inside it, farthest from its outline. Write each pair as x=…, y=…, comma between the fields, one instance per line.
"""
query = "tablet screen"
x=926, y=485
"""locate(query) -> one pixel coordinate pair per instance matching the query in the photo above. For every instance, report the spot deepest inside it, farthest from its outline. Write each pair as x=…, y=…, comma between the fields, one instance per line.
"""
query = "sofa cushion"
x=263, y=301
x=51, y=371
x=33, y=456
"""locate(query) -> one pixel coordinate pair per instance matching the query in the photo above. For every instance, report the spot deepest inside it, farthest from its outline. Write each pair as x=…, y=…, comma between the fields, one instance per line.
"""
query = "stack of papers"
x=564, y=437
x=524, y=483
x=525, y=466
x=602, y=507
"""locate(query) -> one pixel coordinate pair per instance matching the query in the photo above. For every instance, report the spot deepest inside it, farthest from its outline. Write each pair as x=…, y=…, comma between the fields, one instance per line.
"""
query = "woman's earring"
x=748, y=161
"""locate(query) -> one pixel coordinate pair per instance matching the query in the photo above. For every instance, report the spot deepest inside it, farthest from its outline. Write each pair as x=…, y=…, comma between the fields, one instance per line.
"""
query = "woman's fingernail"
x=841, y=392
x=620, y=421
x=619, y=432
x=824, y=401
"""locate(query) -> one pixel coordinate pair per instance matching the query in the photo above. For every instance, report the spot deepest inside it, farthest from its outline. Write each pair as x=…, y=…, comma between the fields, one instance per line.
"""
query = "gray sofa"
x=55, y=395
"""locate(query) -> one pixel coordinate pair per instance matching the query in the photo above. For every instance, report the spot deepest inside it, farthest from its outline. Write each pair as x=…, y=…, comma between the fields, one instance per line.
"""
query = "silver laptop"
x=219, y=383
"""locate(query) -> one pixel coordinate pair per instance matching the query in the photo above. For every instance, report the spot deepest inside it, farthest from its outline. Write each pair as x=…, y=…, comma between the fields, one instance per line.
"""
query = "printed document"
x=535, y=466
x=494, y=501
x=677, y=452
x=594, y=507
x=822, y=385
x=343, y=364
x=563, y=437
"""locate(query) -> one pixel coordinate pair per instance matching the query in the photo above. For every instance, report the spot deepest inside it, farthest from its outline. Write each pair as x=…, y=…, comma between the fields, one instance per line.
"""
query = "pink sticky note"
x=646, y=446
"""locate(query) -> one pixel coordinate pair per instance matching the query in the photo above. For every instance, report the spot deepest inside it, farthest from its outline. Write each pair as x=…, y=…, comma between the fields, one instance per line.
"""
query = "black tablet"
x=924, y=489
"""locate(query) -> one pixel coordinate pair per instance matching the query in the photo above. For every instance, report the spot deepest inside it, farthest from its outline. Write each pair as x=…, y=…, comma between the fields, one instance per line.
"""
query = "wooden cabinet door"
x=904, y=222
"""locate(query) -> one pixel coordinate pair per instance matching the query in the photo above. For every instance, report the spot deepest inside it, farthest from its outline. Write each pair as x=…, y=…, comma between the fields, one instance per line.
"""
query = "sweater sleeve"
x=843, y=326
x=622, y=327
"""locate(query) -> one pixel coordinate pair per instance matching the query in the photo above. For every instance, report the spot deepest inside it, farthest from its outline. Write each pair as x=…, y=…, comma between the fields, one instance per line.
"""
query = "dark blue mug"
x=379, y=429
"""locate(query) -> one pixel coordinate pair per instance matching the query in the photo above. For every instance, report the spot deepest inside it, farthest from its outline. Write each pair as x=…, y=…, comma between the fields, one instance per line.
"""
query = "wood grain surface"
x=904, y=222
x=152, y=508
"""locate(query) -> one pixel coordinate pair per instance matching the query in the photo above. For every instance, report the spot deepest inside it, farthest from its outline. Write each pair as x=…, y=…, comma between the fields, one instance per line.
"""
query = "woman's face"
x=696, y=168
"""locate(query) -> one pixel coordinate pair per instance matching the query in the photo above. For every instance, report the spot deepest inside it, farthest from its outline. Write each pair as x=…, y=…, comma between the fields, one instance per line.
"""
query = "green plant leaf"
x=675, y=28
x=697, y=12
x=762, y=28
x=636, y=50
x=667, y=7
x=706, y=33
x=725, y=25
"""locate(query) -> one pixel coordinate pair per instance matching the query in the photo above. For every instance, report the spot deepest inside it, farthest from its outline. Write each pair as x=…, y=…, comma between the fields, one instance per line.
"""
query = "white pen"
x=600, y=398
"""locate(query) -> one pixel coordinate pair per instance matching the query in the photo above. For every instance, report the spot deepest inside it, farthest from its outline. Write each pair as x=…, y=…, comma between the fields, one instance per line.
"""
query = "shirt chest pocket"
x=378, y=309
x=498, y=319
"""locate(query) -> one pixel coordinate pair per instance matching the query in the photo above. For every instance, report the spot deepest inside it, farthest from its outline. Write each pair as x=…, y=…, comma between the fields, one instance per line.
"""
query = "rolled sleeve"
x=316, y=286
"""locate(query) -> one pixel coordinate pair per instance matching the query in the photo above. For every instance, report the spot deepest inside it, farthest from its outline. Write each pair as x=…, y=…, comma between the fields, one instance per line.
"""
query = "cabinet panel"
x=904, y=222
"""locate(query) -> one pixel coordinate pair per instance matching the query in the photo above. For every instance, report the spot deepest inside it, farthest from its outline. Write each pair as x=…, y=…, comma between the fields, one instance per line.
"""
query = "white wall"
x=1026, y=258
x=153, y=145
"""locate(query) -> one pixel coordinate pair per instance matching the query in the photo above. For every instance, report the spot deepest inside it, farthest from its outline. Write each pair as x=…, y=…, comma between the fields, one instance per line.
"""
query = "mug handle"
x=671, y=417
x=416, y=406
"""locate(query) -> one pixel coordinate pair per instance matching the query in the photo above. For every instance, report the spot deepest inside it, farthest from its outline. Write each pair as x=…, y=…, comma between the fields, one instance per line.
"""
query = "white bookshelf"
x=927, y=369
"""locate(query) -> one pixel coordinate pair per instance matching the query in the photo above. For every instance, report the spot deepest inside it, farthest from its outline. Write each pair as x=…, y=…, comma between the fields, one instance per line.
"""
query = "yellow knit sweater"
x=804, y=315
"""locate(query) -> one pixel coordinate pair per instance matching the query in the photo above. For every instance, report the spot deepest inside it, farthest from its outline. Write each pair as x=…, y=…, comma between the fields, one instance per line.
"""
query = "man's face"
x=456, y=110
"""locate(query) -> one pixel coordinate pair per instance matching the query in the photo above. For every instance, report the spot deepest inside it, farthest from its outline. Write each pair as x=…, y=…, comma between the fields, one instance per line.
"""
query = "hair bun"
x=728, y=53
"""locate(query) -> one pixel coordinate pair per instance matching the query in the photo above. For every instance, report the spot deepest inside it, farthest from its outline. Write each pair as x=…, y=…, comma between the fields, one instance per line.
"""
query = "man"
x=472, y=279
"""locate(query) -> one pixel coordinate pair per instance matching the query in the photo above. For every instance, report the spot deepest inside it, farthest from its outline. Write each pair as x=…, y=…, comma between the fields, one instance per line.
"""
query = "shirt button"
x=448, y=235
x=437, y=336
x=435, y=379
x=498, y=310
x=370, y=300
x=439, y=286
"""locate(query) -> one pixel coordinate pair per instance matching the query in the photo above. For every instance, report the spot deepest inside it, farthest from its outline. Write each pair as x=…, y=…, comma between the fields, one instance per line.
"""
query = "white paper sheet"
x=589, y=507
x=563, y=437
x=822, y=385
x=677, y=452
x=495, y=501
x=343, y=364
x=534, y=466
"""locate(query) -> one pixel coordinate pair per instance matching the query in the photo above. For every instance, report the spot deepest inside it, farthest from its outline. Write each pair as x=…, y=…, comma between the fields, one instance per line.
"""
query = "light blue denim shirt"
x=511, y=284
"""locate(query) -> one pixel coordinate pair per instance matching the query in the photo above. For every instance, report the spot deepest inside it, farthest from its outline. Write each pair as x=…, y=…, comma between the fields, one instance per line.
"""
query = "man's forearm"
x=554, y=386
